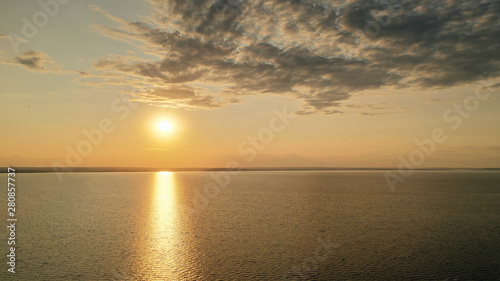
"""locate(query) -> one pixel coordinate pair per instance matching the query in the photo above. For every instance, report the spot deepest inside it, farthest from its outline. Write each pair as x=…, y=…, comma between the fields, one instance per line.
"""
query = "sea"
x=254, y=225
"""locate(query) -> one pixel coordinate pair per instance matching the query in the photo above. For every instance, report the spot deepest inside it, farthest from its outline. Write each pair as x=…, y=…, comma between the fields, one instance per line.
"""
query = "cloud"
x=436, y=100
x=35, y=61
x=173, y=93
x=484, y=150
x=186, y=97
x=317, y=51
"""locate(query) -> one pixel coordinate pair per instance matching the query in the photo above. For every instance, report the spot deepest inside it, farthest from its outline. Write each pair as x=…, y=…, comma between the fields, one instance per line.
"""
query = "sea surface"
x=255, y=225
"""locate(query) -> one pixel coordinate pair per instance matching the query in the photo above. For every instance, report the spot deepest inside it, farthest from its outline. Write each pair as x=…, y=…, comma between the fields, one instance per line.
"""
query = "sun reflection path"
x=164, y=207
x=165, y=260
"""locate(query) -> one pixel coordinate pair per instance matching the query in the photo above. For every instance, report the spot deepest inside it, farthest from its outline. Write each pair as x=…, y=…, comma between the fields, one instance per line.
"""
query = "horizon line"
x=201, y=169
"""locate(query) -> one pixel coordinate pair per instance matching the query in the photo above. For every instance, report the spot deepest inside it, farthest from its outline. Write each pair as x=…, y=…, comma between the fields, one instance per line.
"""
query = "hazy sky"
x=86, y=83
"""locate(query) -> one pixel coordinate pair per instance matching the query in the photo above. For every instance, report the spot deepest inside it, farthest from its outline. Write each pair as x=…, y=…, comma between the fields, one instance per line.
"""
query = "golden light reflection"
x=164, y=198
x=164, y=244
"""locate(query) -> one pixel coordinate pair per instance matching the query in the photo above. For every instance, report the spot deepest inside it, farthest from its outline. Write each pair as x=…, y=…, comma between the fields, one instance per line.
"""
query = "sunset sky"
x=360, y=82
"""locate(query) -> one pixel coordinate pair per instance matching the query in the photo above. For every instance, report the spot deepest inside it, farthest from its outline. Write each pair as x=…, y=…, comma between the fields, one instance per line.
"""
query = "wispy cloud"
x=35, y=61
x=487, y=149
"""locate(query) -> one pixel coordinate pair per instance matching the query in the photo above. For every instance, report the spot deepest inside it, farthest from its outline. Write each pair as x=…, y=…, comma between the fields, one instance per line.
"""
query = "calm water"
x=336, y=225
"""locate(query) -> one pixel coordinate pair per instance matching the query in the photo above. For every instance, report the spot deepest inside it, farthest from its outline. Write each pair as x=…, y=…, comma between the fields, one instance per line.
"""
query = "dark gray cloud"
x=321, y=52
x=35, y=61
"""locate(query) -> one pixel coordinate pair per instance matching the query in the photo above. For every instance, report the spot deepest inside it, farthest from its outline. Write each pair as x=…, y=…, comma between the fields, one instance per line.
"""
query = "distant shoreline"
x=142, y=169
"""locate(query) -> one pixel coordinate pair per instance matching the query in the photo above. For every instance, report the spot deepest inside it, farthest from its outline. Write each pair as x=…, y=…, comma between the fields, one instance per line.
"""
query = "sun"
x=165, y=126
